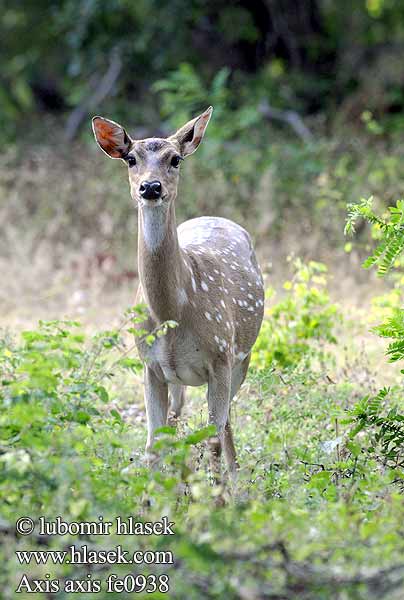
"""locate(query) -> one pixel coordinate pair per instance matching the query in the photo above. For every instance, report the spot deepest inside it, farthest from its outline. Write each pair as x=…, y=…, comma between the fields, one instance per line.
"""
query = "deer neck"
x=161, y=269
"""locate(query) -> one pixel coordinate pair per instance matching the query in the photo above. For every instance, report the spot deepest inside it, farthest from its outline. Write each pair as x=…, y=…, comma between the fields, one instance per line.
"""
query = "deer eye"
x=131, y=161
x=175, y=161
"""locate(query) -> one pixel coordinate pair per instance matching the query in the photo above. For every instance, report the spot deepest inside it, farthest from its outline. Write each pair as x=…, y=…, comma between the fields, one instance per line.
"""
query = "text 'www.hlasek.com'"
x=89, y=557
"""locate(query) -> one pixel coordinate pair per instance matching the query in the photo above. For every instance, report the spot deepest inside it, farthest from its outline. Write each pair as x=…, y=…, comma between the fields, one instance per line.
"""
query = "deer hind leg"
x=229, y=449
x=156, y=402
x=219, y=388
x=238, y=375
x=177, y=399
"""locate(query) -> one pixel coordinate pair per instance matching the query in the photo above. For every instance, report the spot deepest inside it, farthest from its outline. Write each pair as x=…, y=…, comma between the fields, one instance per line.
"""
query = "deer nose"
x=150, y=190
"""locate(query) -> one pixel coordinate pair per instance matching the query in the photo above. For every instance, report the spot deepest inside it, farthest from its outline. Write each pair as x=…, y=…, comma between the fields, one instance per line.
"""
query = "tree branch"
x=292, y=118
x=103, y=87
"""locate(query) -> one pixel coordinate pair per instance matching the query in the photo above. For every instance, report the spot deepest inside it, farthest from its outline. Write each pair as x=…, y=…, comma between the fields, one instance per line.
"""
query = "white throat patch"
x=154, y=225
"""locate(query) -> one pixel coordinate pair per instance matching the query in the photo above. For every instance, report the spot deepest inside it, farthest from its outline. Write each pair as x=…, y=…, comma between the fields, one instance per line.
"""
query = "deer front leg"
x=177, y=398
x=156, y=402
x=219, y=388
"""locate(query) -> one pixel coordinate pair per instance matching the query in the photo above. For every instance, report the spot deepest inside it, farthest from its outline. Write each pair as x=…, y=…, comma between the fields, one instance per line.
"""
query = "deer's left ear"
x=111, y=137
x=190, y=135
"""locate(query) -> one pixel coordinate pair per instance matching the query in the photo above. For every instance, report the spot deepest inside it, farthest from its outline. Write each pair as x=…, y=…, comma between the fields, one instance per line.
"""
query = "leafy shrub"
x=183, y=93
x=394, y=329
x=67, y=448
x=386, y=256
x=56, y=370
x=385, y=428
x=305, y=315
x=390, y=233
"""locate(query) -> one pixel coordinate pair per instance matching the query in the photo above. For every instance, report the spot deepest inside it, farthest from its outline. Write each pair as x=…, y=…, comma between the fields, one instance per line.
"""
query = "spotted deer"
x=203, y=274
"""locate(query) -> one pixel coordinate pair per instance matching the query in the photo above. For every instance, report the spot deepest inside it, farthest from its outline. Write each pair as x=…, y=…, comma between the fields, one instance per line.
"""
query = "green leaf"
x=200, y=435
x=167, y=430
x=81, y=417
x=116, y=414
x=102, y=393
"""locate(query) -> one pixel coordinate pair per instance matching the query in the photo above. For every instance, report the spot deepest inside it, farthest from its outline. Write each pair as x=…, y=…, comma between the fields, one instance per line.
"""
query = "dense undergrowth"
x=318, y=508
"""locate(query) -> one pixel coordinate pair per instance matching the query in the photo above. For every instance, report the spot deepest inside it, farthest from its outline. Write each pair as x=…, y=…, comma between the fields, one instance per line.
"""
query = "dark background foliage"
x=312, y=56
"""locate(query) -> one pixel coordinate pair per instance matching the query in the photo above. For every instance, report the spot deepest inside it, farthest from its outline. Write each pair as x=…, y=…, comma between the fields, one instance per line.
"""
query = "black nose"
x=150, y=190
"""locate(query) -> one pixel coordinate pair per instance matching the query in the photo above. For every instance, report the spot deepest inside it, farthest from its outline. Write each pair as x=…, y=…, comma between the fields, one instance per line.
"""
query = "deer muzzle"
x=150, y=190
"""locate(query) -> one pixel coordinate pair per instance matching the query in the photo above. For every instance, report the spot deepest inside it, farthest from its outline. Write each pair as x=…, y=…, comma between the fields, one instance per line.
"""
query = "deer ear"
x=190, y=135
x=111, y=137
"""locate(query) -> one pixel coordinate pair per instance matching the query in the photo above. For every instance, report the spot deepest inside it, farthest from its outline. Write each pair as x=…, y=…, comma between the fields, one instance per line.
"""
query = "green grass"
x=318, y=508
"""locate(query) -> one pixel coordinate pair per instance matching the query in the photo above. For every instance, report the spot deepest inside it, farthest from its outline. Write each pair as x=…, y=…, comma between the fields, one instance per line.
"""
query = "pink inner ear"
x=204, y=120
x=108, y=137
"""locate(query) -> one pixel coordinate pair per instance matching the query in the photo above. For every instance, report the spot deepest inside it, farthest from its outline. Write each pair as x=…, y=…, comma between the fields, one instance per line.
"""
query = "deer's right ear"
x=111, y=137
x=190, y=135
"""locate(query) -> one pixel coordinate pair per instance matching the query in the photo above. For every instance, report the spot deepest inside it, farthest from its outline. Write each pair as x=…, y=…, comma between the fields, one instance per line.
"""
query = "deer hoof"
x=172, y=419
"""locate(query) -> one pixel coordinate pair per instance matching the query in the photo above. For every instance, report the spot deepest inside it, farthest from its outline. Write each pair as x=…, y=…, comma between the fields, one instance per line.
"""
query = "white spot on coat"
x=182, y=296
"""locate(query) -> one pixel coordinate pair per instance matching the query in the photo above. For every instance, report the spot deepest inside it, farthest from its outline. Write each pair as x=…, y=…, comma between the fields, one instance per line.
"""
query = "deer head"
x=153, y=163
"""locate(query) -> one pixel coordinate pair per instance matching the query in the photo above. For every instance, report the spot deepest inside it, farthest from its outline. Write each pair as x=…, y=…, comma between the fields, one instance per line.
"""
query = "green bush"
x=385, y=427
x=307, y=515
x=384, y=424
x=298, y=326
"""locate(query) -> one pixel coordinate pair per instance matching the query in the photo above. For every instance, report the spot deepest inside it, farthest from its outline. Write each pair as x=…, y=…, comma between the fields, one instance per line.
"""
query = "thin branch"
x=292, y=118
x=103, y=88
